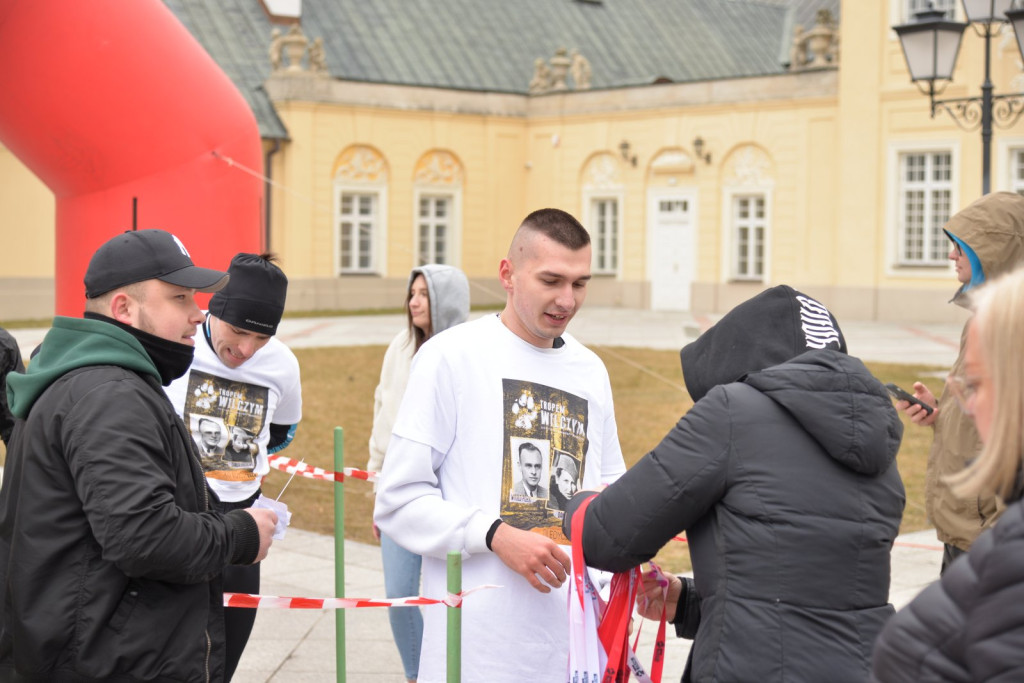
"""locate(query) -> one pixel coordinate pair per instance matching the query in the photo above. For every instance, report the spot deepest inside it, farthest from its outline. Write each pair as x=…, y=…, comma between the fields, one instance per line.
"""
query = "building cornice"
x=814, y=84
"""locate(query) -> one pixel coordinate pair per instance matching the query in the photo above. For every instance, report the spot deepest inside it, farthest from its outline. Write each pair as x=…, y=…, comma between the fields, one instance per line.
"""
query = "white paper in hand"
x=283, y=516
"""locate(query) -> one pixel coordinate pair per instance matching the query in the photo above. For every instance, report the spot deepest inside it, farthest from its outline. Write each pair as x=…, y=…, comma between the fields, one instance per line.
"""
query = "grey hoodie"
x=448, y=289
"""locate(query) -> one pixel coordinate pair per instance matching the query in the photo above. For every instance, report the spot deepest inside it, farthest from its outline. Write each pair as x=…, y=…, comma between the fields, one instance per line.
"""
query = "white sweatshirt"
x=476, y=394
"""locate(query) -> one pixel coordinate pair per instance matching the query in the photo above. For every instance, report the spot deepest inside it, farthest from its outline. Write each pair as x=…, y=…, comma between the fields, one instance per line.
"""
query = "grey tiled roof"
x=491, y=45
x=236, y=33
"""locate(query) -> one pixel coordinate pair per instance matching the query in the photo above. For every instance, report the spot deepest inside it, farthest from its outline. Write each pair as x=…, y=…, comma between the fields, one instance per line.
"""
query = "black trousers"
x=238, y=621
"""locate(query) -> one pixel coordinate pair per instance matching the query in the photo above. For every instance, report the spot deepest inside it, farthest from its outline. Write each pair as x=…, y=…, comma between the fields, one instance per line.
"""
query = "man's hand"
x=537, y=559
x=376, y=531
x=651, y=598
x=916, y=413
x=266, y=520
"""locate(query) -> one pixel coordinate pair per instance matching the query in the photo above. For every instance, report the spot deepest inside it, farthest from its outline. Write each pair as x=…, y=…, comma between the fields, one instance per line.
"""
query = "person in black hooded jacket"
x=783, y=477
x=10, y=361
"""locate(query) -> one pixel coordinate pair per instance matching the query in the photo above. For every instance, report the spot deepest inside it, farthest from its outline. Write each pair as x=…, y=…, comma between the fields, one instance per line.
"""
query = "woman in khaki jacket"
x=987, y=240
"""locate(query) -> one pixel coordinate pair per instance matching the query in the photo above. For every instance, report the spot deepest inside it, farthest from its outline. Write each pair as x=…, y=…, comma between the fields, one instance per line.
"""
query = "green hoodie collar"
x=73, y=343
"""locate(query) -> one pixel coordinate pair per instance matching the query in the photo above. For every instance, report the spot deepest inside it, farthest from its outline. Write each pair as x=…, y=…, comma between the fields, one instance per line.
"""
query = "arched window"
x=438, y=212
x=747, y=188
x=603, y=197
x=360, y=211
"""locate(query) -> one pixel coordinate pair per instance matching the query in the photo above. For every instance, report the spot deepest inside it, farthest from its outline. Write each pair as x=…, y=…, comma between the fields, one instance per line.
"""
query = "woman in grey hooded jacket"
x=438, y=298
x=783, y=477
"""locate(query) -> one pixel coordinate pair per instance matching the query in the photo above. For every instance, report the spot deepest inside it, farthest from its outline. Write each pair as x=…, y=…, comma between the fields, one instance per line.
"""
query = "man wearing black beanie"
x=247, y=380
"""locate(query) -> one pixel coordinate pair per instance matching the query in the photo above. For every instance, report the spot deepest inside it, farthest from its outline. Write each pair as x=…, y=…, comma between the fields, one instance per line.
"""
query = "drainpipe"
x=267, y=191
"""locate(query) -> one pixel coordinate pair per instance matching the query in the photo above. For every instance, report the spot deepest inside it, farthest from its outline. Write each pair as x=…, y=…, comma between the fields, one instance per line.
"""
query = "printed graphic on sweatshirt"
x=816, y=322
x=225, y=417
x=545, y=434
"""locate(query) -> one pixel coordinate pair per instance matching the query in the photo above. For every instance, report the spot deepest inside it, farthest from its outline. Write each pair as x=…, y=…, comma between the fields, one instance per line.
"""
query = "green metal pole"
x=339, y=553
x=454, y=618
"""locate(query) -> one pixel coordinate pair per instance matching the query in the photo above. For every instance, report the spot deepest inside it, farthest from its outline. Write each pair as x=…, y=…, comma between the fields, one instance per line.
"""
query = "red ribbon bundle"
x=615, y=615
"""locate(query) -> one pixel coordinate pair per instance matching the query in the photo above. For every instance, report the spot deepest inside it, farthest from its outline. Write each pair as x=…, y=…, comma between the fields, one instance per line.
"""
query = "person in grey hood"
x=783, y=477
x=437, y=298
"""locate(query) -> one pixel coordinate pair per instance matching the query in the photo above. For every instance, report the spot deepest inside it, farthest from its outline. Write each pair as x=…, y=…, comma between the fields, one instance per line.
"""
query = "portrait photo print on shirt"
x=241, y=408
x=548, y=425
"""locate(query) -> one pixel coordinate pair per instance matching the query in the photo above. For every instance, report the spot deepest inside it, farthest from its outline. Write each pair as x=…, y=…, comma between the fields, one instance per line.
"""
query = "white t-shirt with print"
x=476, y=394
x=238, y=404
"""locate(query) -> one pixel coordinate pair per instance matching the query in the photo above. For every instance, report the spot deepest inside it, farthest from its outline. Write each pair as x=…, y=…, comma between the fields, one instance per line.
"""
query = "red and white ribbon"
x=274, y=602
x=286, y=464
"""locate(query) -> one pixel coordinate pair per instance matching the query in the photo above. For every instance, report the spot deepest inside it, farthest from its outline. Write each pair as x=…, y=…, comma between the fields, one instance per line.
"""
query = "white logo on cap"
x=180, y=245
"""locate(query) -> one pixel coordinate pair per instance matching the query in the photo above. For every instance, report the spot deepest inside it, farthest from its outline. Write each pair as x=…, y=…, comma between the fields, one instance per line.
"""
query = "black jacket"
x=786, y=486
x=109, y=556
x=10, y=361
x=969, y=626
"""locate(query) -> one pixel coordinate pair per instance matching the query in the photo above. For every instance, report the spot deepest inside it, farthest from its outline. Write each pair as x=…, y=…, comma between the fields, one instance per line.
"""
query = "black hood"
x=840, y=404
x=771, y=328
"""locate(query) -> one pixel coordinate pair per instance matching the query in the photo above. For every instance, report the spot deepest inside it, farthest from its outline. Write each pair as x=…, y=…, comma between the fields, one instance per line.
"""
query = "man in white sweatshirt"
x=475, y=393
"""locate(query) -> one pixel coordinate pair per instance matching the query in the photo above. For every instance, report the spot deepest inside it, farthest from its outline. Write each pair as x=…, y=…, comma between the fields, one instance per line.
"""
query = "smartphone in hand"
x=901, y=395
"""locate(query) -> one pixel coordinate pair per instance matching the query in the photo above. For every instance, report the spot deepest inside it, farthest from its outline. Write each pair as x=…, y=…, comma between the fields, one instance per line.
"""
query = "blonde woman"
x=970, y=625
x=438, y=298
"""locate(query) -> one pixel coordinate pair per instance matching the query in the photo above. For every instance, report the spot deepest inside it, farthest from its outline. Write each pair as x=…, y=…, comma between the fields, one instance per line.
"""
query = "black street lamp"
x=931, y=44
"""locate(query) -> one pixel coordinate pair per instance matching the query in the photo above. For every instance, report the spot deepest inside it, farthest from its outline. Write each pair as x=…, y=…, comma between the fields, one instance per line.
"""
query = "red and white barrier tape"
x=286, y=464
x=274, y=602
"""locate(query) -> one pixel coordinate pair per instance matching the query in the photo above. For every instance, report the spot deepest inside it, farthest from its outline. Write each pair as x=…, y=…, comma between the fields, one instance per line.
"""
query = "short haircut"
x=527, y=446
x=99, y=304
x=559, y=226
x=206, y=419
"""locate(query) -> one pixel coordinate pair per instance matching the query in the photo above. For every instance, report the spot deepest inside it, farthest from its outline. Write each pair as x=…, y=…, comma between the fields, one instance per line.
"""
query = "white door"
x=671, y=245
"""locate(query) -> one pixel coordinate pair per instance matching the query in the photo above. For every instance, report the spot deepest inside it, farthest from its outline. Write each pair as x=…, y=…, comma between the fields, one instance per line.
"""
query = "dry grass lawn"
x=338, y=385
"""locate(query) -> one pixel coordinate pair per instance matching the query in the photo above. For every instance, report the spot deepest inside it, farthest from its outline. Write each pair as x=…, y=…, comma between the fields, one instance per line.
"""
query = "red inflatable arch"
x=110, y=101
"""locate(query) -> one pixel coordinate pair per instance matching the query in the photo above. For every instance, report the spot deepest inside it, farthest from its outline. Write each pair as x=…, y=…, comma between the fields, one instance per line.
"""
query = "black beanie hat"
x=771, y=328
x=254, y=297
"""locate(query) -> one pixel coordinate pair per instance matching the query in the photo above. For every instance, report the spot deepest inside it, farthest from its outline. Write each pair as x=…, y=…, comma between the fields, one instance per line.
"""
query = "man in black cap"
x=246, y=379
x=110, y=553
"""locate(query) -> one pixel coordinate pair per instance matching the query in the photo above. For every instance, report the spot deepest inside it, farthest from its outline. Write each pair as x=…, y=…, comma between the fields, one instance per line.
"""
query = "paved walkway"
x=298, y=646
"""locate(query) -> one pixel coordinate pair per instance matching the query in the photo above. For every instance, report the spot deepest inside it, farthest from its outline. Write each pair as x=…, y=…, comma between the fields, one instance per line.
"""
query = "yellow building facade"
x=833, y=179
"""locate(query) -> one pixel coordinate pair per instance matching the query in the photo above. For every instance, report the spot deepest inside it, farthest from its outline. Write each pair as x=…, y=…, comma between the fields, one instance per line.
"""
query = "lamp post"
x=931, y=44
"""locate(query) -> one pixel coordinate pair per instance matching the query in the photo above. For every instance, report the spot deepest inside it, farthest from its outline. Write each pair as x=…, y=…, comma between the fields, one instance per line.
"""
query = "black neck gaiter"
x=172, y=360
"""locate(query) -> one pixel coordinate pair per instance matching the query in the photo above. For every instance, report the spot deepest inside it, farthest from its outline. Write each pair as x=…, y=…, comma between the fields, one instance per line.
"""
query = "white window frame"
x=895, y=266
x=598, y=244
x=734, y=195
x=900, y=12
x=378, y=240
x=1007, y=151
x=452, y=251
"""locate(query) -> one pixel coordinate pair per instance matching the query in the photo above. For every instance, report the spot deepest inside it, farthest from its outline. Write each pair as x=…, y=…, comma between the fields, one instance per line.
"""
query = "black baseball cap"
x=140, y=255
